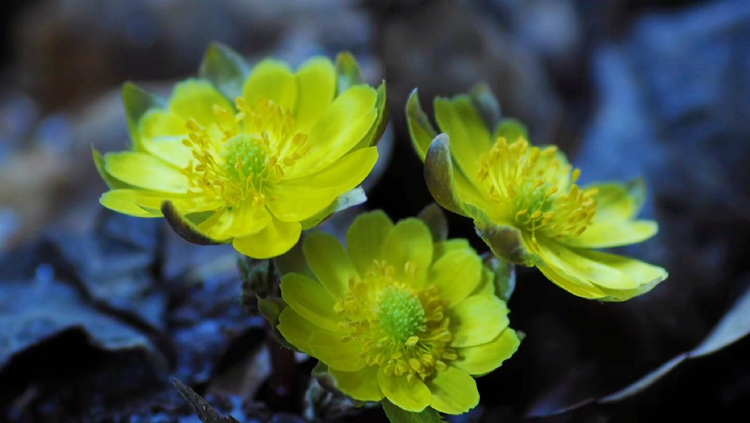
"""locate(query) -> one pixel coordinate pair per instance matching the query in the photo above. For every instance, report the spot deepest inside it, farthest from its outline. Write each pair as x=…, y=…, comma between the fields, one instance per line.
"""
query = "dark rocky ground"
x=100, y=312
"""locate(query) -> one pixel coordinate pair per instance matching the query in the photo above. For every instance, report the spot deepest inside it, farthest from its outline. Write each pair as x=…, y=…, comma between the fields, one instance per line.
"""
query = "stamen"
x=536, y=188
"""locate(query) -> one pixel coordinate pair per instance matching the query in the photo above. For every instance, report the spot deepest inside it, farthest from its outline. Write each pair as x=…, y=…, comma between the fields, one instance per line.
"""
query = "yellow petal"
x=344, y=123
x=133, y=202
x=145, y=171
x=274, y=240
x=606, y=235
x=195, y=98
x=410, y=242
x=271, y=80
x=162, y=132
x=366, y=237
x=453, y=391
x=296, y=329
x=170, y=150
x=577, y=267
x=457, y=274
x=477, y=320
x=484, y=358
x=617, y=202
x=310, y=300
x=469, y=136
x=128, y=201
x=298, y=199
x=330, y=262
x=238, y=221
x=486, y=284
x=573, y=285
x=361, y=385
x=316, y=86
x=411, y=395
x=331, y=349
x=158, y=123
x=444, y=247
x=645, y=275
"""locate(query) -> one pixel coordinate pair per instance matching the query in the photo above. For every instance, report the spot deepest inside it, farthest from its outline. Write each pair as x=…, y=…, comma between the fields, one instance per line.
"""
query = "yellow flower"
x=397, y=315
x=255, y=170
x=526, y=204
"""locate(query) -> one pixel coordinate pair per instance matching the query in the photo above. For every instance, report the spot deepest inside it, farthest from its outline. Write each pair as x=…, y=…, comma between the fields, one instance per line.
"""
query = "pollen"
x=536, y=188
x=403, y=330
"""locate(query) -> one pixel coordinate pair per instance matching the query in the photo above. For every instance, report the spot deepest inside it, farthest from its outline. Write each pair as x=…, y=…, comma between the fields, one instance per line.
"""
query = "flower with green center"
x=288, y=150
x=525, y=200
x=398, y=315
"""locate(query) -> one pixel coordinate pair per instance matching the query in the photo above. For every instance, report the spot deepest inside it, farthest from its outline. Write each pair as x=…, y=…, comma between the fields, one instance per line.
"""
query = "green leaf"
x=435, y=219
x=225, y=69
x=348, y=72
x=137, y=102
x=511, y=130
x=184, y=227
x=397, y=415
x=438, y=174
x=505, y=276
x=421, y=130
x=485, y=101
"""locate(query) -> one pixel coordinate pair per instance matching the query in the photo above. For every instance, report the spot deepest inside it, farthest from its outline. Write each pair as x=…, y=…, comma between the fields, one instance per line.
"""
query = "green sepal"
x=511, y=129
x=348, y=72
x=506, y=242
x=486, y=103
x=138, y=102
x=346, y=200
x=183, y=227
x=504, y=276
x=435, y=219
x=421, y=130
x=111, y=181
x=438, y=174
x=271, y=308
x=398, y=415
x=225, y=69
x=378, y=127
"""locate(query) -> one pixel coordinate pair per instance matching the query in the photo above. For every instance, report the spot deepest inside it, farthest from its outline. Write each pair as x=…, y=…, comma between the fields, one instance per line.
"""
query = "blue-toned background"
x=99, y=312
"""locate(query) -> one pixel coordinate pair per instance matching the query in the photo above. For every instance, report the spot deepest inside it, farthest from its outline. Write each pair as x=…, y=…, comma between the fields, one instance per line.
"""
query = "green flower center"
x=245, y=155
x=400, y=313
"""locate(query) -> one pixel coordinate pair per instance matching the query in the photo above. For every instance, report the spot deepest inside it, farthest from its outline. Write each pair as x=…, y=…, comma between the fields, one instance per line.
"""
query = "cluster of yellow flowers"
x=254, y=157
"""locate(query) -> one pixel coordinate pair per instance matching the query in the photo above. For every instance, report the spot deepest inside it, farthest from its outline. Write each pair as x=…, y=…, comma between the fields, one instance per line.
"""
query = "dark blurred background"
x=98, y=312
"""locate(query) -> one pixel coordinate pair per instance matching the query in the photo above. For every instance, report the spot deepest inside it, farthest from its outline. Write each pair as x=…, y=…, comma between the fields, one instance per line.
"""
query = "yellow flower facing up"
x=526, y=204
x=396, y=315
x=255, y=170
